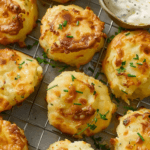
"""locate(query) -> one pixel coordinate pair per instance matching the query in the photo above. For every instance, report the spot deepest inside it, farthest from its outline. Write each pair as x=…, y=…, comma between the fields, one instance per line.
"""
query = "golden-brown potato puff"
x=17, y=19
x=19, y=74
x=71, y=34
x=76, y=103
x=133, y=131
x=67, y=145
x=62, y=1
x=127, y=65
x=12, y=137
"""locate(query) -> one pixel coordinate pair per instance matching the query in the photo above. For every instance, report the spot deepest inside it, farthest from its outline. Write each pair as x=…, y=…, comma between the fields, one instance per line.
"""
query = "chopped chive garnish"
x=127, y=34
x=65, y=90
x=103, y=81
x=124, y=92
x=73, y=78
x=94, y=92
x=144, y=60
x=104, y=116
x=139, y=63
x=137, y=57
x=20, y=65
x=96, y=76
x=60, y=26
x=18, y=76
x=131, y=65
x=93, y=84
x=110, y=39
x=77, y=104
x=130, y=108
x=92, y=126
x=79, y=92
x=65, y=23
x=123, y=63
x=29, y=59
x=38, y=21
x=51, y=87
x=68, y=36
x=90, y=69
x=77, y=23
x=130, y=75
x=22, y=96
x=30, y=46
x=140, y=136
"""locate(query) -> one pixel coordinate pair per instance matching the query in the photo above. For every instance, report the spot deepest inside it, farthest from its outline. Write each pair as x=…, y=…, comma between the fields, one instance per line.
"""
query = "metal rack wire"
x=32, y=115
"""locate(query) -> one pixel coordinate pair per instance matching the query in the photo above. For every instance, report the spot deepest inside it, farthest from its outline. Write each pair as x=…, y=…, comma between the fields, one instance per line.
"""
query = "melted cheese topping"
x=67, y=145
x=127, y=65
x=19, y=74
x=17, y=19
x=72, y=103
x=136, y=12
x=71, y=34
x=12, y=137
x=131, y=124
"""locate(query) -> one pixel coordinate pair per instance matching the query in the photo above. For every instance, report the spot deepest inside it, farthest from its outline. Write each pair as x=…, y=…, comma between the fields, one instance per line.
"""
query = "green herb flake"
x=65, y=23
x=130, y=108
x=103, y=81
x=38, y=21
x=73, y=78
x=51, y=87
x=121, y=69
x=92, y=126
x=78, y=23
x=140, y=136
x=93, y=84
x=131, y=65
x=79, y=92
x=30, y=46
x=69, y=36
x=65, y=90
x=91, y=69
x=29, y=59
x=22, y=96
x=112, y=96
x=104, y=116
x=137, y=57
x=63, y=68
x=14, y=17
x=144, y=60
x=18, y=76
x=139, y=63
x=95, y=119
x=20, y=65
x=97, y=75
x=110, y=39
x=60, y=26
x=77, y=104
x=127, y=34
x=123, y=63
x=124, y=92
x=94, y=92
x=130, y=75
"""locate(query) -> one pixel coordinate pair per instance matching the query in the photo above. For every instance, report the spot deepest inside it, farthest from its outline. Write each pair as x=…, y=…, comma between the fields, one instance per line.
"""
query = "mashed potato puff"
x=17, y=19
x=67, y=145
x=19, y=74
x=71, y=34
x=12, y=137
x=133, y=131
x=127, y=65
x=76, y=103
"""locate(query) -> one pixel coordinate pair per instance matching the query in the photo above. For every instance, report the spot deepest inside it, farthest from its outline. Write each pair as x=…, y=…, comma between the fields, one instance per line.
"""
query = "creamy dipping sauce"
x=135, y=12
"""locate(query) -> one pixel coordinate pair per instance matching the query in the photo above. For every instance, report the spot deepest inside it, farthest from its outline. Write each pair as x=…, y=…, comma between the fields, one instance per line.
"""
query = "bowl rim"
x=102, y=3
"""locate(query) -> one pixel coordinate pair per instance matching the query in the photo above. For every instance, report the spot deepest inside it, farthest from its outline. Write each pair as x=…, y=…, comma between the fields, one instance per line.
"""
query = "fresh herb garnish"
x=65, y=23
x=77, y=23
x=29, y=59
x=130, y=108
x=127, y=34
x=73, y=78
x=144, y=60
x=93, y=84
x=30, y=46
x=124, y=92
x=65, y=90
x=131, y=65
x=69, y=36
x=104, y=116
x=103, y=81
x=92, y=126
x=51, y=87
x=110, y=39
x=96, y=76
x=139, y=63
x=20, y=65
x=77, y=104
x=112, y=96
x=94, y=92
x=130, y=75
x=38, y=21
x=121, y=69
x=140, y=136
x=60, y=26
x=137, y=57
x=90, y=69
x=22, y=96
x=63, y=68
x=79, y=92
x=18, y=76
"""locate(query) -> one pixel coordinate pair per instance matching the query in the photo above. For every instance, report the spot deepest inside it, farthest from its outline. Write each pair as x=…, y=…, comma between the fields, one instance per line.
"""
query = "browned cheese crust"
x=17, y=19
x=127, y=65
x=83, y=27
x=131, y=126
x=19, y=74
x=12, y=137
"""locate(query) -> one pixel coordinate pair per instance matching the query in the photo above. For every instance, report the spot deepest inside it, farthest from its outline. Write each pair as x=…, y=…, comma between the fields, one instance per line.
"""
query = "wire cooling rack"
x=32, y=114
